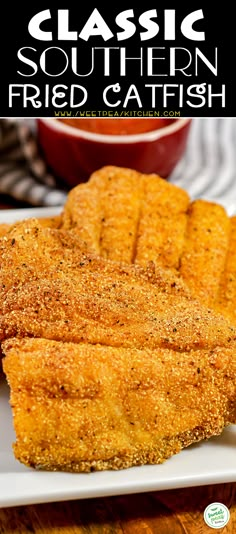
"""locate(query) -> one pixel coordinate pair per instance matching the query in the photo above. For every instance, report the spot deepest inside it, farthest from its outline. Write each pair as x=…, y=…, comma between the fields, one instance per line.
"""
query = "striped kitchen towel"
x=23, y=172
x=207, y=169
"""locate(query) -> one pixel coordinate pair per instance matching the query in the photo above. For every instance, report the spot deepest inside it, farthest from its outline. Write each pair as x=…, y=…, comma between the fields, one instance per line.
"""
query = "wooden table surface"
x=177, y=511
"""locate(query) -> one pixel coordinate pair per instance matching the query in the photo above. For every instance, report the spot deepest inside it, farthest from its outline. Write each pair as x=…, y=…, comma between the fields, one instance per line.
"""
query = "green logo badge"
x=216, y=515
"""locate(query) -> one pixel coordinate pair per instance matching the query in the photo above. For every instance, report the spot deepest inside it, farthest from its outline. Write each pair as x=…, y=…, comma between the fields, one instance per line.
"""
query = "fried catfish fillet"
x=141, y=218
x=127, y=216
x=82, y=407
x=111, y=365
x=51, y=288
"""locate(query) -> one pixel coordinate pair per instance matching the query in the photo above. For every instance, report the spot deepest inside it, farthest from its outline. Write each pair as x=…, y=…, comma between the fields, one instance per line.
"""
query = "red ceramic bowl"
x=73, y=154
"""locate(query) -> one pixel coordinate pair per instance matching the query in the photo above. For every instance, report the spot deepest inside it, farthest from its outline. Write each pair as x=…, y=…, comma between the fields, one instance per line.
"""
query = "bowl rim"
x=153, y=135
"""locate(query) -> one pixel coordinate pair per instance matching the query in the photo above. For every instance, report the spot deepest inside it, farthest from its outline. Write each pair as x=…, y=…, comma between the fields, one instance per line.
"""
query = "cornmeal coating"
x=83, y=216
x=128, y=216
x=162, y=224
x=204, y=253
x=144, y=218
x=47, y=222
x=82, y=407
x=51, y=289
x=118, y=324
x=227, y=287
x=4, y=228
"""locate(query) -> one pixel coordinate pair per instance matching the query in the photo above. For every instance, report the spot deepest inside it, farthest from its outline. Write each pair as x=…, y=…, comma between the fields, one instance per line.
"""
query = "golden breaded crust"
x=144, y=218
x=204, y=254
x=4, y=228
x=227, y=287
x=112, y=354
x=45, y=222
x=79, y=407
x=162, y=224
x=120, y=194
x=51, y=222
x=51, y=289
x=128, y=216
x=83, y=216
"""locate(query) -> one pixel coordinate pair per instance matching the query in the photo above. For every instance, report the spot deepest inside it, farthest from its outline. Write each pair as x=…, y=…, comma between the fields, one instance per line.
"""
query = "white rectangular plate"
x=210, y=462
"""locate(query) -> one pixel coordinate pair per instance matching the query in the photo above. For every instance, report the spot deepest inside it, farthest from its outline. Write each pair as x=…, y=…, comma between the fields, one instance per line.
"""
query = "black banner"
x=118, y=62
